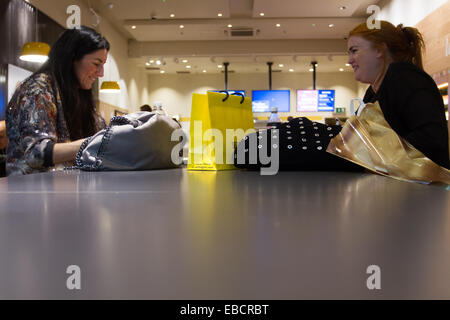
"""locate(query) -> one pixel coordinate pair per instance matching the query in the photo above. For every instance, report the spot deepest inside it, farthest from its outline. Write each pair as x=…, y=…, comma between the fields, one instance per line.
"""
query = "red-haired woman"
x=390, y=60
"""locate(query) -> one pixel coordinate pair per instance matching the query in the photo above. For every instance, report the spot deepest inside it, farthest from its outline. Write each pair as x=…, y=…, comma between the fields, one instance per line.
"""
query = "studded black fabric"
x=302, y=146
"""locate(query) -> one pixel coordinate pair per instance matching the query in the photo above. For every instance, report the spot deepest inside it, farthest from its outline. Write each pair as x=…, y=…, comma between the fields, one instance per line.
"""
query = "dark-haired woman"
x=52, y=112
x=390, y=60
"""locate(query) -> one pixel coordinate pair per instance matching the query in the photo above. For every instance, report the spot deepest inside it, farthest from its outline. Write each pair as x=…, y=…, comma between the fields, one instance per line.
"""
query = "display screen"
x=264, y=100
x=230, y=91
x=315, y=100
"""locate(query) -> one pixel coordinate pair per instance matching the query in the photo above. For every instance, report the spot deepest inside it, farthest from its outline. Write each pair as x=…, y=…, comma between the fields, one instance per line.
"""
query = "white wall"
x=175, y=91
x=408, y=12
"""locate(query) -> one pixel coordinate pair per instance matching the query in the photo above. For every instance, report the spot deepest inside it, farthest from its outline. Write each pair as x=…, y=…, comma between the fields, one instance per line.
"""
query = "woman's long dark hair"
x=78, y=104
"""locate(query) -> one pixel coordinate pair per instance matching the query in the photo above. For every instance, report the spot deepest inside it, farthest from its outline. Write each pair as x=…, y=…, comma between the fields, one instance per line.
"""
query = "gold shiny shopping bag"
x=369, y=141
x=218, y=123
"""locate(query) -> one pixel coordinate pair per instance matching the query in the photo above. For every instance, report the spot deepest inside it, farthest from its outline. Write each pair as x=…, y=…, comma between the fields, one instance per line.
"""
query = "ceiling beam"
x=137, y=49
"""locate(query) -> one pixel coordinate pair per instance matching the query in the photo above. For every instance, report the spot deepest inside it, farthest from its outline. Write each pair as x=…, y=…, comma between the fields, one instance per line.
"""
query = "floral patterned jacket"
x=34, y=123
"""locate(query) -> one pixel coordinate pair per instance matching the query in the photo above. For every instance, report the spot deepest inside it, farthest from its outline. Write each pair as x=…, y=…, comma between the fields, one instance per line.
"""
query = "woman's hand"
x=66, y=152
x=3, y=138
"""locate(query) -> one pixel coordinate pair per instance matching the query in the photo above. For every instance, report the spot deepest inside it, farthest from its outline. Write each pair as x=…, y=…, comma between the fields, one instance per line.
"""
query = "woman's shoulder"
x=409, y=75
x=36, y=84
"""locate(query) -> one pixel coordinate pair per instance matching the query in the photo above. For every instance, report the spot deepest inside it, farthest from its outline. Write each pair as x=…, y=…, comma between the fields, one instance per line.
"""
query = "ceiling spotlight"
x=219, y=14
x=331, y=25
x=219, y=66
x=133, y=27
x=162, y=71
x=204, y=71
x=340, y=69
x=262, y=14
x=181, y=26
x=172, y=15
x=188, y=67
x=281, y=65
x=343, y=7
x=230, y=26
x=151, y=61
x=311, y=70
x=347, y=64
x=147, y=64
x=291, y=70
x=184, y=61
x=278, y=25
x=158, y=62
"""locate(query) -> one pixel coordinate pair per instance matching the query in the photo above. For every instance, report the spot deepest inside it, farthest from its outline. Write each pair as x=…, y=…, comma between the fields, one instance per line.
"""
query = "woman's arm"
x=66, y=152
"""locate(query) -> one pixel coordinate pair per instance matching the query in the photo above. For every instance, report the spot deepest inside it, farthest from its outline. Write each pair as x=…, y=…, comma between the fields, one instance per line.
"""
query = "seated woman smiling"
x=390, y=60
x=53, y=110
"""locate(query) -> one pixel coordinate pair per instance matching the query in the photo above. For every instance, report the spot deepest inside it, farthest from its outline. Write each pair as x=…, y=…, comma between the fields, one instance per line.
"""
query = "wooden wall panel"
x=435, y=29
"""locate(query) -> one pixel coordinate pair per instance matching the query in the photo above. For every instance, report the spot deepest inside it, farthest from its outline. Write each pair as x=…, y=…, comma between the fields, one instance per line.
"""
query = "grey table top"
x=178, y=234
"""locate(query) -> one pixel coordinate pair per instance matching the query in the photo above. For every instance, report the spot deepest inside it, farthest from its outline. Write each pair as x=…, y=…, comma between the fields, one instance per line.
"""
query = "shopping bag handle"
x=226, y=92
x=234, y=93
x=239, y=94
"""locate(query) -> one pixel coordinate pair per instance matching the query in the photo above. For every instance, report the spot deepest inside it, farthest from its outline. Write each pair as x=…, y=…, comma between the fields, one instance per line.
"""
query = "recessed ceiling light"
x=278, y=25
x=133, y=27
x=343, y=7
x=204, y=71
x=347, y=64
x=158, y=62
x=172, y=15
x=162, y=71
x=184, y=61
x=230, y=26
x=181, y=26
x=331, y=25
x=262, y=14
x=188, y=67
x=311, y=70
x=281, y=65
x=147, y=64
x=219, y=14
x=340, y=69
x=219, y=66
x=151, y=61
x=291, y=70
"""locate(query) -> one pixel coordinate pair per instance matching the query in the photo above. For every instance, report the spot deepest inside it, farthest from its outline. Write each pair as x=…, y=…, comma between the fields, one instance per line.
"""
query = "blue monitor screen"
x=230, y=91
x=326, y=100
x=2, y=105
x=264, y=100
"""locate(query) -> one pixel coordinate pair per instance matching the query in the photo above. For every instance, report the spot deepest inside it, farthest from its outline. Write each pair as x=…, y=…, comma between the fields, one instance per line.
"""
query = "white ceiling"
x=297, y=19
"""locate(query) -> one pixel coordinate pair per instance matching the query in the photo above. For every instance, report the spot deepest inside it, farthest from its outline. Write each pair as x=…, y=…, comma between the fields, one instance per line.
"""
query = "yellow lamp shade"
x=110, y=86
x=35, y=52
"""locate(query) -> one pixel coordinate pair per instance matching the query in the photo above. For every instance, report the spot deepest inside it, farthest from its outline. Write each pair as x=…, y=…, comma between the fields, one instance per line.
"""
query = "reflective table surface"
x=178, y=234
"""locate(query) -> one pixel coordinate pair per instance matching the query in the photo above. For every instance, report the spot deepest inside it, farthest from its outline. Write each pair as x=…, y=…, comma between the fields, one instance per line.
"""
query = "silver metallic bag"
x=137, y=141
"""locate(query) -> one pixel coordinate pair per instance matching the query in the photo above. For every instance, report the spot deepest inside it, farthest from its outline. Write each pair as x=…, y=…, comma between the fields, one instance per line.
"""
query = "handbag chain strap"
x=78, y=164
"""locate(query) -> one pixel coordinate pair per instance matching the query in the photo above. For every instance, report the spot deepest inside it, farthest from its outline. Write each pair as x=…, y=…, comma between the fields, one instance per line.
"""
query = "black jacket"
x=413, y=107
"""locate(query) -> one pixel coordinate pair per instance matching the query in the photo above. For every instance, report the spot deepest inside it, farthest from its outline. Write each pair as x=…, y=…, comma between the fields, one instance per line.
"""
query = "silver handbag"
x=137, y=141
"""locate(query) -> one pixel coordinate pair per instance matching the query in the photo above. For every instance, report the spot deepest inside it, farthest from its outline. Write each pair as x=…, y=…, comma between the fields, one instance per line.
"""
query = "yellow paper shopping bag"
x=218, y=123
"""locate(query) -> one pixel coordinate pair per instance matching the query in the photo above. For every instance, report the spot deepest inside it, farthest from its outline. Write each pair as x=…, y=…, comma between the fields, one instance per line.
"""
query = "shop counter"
x=178, y=234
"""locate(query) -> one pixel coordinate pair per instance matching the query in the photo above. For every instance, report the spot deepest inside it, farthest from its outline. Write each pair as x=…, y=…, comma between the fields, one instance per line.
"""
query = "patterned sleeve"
x=31, y=128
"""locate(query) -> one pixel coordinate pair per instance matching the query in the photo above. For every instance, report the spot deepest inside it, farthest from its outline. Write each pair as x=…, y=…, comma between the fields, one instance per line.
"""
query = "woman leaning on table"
x=390, y=60
x=53, y=110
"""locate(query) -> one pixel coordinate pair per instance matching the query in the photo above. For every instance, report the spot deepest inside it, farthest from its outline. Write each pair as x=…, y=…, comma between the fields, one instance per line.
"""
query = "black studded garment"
x=301, y=145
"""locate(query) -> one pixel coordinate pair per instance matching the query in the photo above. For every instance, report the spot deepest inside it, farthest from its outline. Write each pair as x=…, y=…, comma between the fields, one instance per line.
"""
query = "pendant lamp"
x=35, y=51
x=110, y=86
